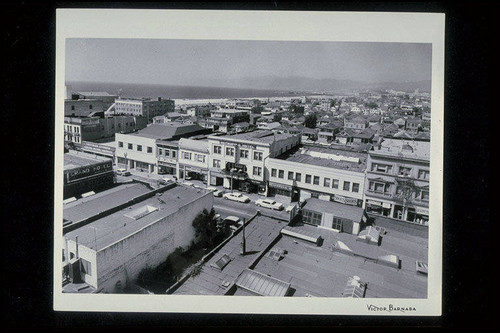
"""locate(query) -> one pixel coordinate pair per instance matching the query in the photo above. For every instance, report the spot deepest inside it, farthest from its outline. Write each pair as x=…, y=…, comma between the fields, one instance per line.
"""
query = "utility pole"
x=243, y=242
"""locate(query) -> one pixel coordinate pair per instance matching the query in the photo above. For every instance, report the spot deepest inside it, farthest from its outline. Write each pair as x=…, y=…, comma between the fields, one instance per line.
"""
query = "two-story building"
x=140, y=151
x=397, y=180
x=357, y=124
x=193, y=159
x=331, y=174
x=239, y=160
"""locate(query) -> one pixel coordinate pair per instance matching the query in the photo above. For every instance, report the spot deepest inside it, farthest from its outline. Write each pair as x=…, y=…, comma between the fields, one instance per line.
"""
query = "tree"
x=333, y=102
x=311, y=120
x=206, y=230
x=371, y=105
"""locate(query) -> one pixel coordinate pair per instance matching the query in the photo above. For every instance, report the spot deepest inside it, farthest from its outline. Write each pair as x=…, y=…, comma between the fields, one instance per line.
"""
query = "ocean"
x=177, y=92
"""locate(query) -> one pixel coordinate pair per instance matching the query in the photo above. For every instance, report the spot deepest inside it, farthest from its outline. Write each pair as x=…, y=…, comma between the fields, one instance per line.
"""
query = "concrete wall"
x=82, y=107
x=124, y=260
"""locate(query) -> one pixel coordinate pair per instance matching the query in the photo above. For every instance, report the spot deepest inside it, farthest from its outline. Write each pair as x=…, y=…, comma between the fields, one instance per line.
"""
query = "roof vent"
x=141, y=212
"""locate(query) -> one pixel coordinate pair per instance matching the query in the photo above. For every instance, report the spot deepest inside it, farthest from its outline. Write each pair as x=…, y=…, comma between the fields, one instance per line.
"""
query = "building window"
x=72, y=108
x=150, y=150
x=244, y=153
x=311, y=217
x=377, y=187
x=385, y=168
x=308, y=179
x=290, y=175
x=404, y=171
x=335, y=183
x=86, y=267
x=423, y=174
x=316, y=180
x=281, y=174
x=355, y=187
x=199, y=158
x=425, y=195
x=174, y=154
x=160, y=151
x=216, y=164
x=326, y=182
x=298, y=176
x=274, y=172
x=130, y=146
x=186, y=155
x=257, y=171
x=167, y=152
x=257, y=156
x=229, y=151
x=337, y=223
x=90, y=106
x=347, y=186
x=139, y=147
x=217, y=150
x=120, y=144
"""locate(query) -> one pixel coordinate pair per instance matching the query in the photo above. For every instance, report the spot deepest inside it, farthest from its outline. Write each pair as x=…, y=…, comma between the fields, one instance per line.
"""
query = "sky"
x=208, y=62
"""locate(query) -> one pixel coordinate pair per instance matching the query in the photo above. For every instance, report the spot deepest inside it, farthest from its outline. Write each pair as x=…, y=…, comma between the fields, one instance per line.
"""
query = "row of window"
x=167, y=152
x=385, y=188
x=244, y=153
x=197, y=157
x=315, y=180
x=402, y=171
x=130, y=146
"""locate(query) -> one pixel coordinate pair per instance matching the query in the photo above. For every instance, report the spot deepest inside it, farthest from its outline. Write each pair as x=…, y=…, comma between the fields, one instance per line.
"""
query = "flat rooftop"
x=125, y=222
x=258, y=136
x=313, y=270
x=327, y=157
x=419, y=150
x=75, y=159
x=318, y=271
x=259, y=233
x=86, y=207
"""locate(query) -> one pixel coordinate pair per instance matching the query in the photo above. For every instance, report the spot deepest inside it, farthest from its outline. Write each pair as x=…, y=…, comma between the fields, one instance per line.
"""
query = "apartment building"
x=397, y=180
x=220, y=120
x=193, y=159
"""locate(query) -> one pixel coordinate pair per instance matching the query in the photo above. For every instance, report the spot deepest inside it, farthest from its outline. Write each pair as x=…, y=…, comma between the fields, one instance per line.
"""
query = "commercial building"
x=82, y=104
x=220, y=120
x=193, y=159
x=145, y=107
x=239, y=160
x=107, y=254
x=79, y=129
x=147, y=149
x=397, y=180
x=85, y=172
x=331, y=174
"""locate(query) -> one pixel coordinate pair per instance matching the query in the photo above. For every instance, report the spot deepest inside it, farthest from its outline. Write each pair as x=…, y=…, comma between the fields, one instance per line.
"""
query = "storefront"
x=378, y=207
x=285, y=190
x=216, y=178
x=189, y=172
x=306, y=194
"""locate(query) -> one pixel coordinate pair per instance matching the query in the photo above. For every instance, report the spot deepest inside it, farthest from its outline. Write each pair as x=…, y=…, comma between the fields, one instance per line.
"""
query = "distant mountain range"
x=296, y=83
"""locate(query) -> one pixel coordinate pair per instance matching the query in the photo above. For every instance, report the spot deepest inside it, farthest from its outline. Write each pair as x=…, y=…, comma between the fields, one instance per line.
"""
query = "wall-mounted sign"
x=86, y=171
x=345, y=200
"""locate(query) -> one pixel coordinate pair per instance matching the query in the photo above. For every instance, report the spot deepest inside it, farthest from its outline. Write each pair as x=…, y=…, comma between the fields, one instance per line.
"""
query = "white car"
x=236, y=196
x=211, y=189
x=218, y=193
x=122, y=172
x=268, y=203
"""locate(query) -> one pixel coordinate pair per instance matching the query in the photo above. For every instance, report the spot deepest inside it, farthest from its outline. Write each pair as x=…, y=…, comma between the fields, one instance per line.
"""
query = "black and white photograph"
x=249, y=162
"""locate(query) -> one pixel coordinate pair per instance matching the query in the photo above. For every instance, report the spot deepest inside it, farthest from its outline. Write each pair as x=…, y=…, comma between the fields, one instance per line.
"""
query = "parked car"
x=122, y=172
x=218, y=193
x=232, y=220
x=268, y=203
x=188, y=183
x=236, y=196
x=211, y=189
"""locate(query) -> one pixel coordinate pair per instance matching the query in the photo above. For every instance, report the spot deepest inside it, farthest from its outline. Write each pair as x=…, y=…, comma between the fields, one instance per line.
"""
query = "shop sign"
x=280, y=186
x=374, y=203
x=345, y=200
x=87, y=171
x=386, y=205
x=422, y=211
